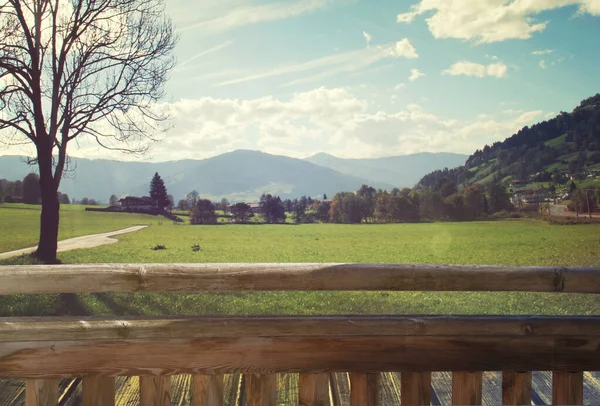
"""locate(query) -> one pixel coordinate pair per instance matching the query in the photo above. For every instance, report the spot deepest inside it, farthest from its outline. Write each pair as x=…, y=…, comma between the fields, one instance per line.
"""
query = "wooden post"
x=207, y=390
x=567, y=388
x=364, y=389
x=155, y=390
x=415, y=388
x=261, y=390
x=41, y=392
x=466, y=388
x=516, y=388
x=313, y=389
x=98, y=391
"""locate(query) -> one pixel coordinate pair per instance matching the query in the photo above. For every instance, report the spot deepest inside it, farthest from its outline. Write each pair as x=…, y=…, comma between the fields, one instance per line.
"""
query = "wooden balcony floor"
x=12, y=392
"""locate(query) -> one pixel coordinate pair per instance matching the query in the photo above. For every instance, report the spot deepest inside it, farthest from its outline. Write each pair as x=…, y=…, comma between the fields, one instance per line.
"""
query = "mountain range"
x=239, y=175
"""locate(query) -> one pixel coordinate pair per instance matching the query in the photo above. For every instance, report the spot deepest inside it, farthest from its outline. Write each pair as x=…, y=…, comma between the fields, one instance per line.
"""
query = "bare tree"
x=92, y=69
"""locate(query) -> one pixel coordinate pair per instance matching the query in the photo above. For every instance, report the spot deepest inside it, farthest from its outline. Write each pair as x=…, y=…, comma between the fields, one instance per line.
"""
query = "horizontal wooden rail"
x=76, y=328
x=293, y=277
x=71, y=348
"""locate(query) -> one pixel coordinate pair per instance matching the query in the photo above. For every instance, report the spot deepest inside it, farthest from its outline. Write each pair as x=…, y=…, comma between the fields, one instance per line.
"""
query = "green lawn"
x=21, y=223
x=509, y=242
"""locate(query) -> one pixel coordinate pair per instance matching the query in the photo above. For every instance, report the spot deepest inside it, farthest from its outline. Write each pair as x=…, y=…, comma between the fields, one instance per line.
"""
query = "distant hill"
x=568, y=143
x=238, y=175
x=400, y=171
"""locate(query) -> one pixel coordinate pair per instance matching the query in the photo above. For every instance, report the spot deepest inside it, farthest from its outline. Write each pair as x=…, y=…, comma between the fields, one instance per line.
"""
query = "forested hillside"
x=568, y=144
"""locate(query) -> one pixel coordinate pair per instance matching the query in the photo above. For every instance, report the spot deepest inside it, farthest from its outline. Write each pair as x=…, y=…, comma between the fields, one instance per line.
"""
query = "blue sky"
x=370, y=78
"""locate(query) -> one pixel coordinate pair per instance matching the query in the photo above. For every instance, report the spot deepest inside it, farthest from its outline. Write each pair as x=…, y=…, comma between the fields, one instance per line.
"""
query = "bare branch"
x=93, y=68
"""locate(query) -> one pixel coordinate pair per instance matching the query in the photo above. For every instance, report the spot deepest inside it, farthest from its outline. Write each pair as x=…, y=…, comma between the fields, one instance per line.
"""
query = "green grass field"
x=21, y=223
x=508, y=242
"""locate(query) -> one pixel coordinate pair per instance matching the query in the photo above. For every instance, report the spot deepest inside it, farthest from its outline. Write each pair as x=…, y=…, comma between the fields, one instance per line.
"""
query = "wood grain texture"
x=296, y=354
x=364, y=389
x=313, y=389
x=155, y=390
x=300, y=277
x=516, y=388
x=41, y=392
x=207, y=390
x=98, y=391
x=415, y=388
x=567, y=388
x=261, y=390
x=76, y=329
x=466, y=388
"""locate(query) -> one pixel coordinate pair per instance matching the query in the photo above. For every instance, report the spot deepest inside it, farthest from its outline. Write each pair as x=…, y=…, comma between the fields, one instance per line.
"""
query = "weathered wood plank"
x=374, y=389
x=358, y=389
x=415, y=388
x=313, y=389
x=207, y=390
x=516, y=388
x=296, y=354
x=567, y=388
x=41, y=392
x=155, y=390
x=261, y=390
x=76, y=329
x=235, y=277
x=364, y=389
x=466, y=388
x=98, y=391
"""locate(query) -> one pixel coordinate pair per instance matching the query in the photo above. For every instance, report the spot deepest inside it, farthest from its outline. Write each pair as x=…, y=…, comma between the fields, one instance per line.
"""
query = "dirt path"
x=86, y=241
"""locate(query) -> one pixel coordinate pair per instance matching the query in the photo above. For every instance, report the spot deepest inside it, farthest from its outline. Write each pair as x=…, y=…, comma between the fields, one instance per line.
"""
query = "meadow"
x=506, y=242
x=21, y=222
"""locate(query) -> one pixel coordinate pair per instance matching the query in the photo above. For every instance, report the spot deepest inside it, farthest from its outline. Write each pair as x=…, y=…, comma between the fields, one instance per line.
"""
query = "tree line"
x=26, y=191
x=441, y=202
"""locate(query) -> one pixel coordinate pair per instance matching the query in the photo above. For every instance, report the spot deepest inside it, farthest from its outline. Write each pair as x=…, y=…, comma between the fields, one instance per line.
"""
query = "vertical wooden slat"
x=364, y=389
x=415, y=388
x=207, y=390
x=516, y=388
x=98, y=391
x=336, y=399
x=466, y=388
x=313, y=389
x=358, y=389
x=567, y=388
x=155, y=390
x=41, y=392
x=261, y=390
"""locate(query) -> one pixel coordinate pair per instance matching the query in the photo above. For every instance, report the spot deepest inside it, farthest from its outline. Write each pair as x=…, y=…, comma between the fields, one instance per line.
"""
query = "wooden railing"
x=43, y=349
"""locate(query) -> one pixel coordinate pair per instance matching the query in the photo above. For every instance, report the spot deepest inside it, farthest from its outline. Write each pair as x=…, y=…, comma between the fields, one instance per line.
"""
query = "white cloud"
x=245, y=14
x=543, y=64
x=528, y=117
x=399, y=86
x=486, y=21
x=550, y=115
x=368, y=37
x=403, y=48
x=323, y=119
x=542, y=52
x=415, y=74
x=478, y=70
x=330, y=65
x=492, y=57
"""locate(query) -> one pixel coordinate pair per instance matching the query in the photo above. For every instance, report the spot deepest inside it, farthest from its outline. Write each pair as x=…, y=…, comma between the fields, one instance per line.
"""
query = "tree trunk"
x=46, y=251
